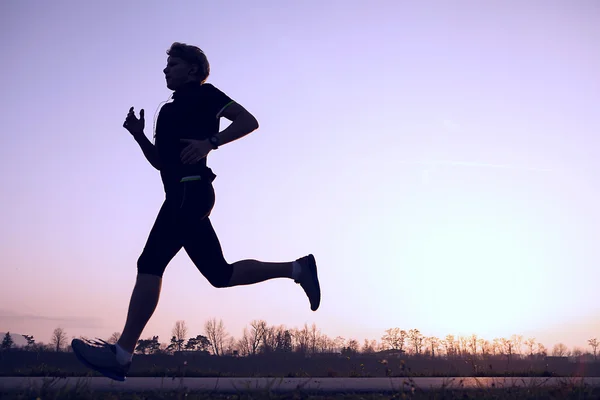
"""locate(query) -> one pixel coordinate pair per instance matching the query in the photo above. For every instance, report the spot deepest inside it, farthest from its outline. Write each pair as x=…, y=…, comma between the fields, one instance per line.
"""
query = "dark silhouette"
x=187, y=130
x=7, y=342
x=306, y=351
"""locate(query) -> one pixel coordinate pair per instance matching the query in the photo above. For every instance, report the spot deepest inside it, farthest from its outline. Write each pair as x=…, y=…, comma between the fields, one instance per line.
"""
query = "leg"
x=144, y=300
x=202, y=244
x=164, y=241
x=204, y=249
x=162, y=245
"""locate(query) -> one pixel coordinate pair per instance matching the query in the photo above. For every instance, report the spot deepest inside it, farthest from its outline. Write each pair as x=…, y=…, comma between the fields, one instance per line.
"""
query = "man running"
x=187, y=130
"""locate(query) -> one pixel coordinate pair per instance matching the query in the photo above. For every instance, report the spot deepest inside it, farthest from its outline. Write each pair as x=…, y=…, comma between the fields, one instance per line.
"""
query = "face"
x=178, y=72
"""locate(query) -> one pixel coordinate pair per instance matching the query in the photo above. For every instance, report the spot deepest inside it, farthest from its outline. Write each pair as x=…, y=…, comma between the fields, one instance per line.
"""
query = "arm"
x=242, y=123
x=136, y=126
x=149, y=150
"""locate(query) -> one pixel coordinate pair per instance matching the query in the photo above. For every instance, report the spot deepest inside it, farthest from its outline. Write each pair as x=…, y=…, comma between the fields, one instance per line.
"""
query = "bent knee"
x=220, y=277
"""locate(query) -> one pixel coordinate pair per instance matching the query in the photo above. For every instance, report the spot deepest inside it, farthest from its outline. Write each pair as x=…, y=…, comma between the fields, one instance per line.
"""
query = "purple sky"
x=438, y=158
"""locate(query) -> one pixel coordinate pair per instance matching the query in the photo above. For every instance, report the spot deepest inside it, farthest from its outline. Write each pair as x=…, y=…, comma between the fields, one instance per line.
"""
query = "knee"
x=221, y=277
x=149, y=266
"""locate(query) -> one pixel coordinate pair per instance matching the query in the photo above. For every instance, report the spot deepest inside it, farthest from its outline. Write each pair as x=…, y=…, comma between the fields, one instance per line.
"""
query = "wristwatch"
x=214, y=141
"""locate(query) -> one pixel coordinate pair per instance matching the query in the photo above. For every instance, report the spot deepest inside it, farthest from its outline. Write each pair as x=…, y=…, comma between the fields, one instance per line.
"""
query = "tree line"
x=260, y=338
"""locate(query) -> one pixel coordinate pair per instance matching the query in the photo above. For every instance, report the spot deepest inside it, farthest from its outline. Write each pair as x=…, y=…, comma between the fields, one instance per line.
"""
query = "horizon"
x=438, y=162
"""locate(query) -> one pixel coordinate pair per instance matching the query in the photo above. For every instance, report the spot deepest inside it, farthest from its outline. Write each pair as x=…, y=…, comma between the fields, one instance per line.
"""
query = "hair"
x=192, y=55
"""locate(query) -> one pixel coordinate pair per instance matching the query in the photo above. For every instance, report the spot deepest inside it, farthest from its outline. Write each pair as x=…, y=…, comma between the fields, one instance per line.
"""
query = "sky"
x=437, y=158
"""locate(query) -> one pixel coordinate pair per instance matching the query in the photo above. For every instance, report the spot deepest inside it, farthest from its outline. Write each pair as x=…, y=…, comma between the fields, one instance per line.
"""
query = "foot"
x=101, y=357
x=309, y=280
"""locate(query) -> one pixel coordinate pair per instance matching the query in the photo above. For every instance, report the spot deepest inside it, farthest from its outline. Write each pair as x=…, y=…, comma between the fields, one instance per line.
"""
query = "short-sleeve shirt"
x=194, y=113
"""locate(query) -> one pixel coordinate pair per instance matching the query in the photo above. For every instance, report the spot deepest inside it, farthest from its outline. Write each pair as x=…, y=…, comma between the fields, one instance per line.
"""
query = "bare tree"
x=473, y=344
x=314, y=336
x=338, y=343
x=256, y=335
x=497, y=348
x=541, y=350
x=352, y=347
x=216, y=334
x=243, y=344
x=59, y=339
x=594, y=344
x=302, y=337
x=416, y=340
x=530, y=343
x=394, y=339
x=180, y=332
x=559, y=350
x=517, y=341
x=369, y=346
x=577, y=352
x=114, y=338
x=433, y=344
x=449, y=346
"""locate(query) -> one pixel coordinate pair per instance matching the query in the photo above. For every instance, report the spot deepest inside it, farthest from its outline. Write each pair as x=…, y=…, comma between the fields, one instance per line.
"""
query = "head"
x=185, y=64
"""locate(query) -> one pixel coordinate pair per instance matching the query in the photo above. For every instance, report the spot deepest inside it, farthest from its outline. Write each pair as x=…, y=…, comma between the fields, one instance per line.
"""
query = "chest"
x=185, y=121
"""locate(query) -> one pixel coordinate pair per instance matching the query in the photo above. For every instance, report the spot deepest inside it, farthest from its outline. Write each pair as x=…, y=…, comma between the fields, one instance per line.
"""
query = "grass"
x=53, y=389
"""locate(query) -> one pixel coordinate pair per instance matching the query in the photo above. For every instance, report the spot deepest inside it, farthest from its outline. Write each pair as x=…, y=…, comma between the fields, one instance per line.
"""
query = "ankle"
x=296, y=269
x=123, y=356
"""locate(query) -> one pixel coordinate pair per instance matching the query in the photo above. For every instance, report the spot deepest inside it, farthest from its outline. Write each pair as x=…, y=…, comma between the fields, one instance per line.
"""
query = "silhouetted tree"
x=216, y=334
x=30, y=342
x=448, y=344
x=394, y=339
x=148, y=346
x=517, y=343
x=541, y=350
x=485, y=346
x=507, y=347
x=114, y=338
x=416, y=340
x=473, y=344
x=594, y=344
x=369, y=347
x=433, y=344
x=530, y=343
x=244, y=343
x=198, y=343
x=302, y=339
x=351, y=348
x=59, y=339
x=497, y=348
x=179, y=332
x=559, y=350
x=284, y=341
x=7, y=342
x=256, y=335
x=577, y=351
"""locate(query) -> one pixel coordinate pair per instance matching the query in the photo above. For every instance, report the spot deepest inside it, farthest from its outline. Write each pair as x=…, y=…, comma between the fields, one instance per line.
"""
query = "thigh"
x=164, y=241
x=200, y=240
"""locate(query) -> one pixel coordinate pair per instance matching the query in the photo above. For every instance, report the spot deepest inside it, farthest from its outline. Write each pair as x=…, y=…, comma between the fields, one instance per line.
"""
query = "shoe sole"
x=97, y=369
x=313, y=269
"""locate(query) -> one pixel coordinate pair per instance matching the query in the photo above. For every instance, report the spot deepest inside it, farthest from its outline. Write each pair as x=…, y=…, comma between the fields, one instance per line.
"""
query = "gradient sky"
x=438, y=158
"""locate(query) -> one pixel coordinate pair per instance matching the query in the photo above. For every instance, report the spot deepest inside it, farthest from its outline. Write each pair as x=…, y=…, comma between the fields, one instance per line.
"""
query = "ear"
x=194, y=70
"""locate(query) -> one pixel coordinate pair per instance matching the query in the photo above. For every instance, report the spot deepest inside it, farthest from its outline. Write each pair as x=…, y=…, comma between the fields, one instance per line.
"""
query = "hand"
x=195, y=151
x=132, y=124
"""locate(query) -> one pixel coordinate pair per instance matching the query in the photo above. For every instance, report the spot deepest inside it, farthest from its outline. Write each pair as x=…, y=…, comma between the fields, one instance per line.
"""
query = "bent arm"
x=242, y=123
x=149, y=149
